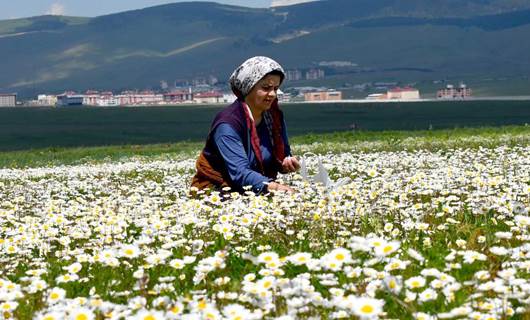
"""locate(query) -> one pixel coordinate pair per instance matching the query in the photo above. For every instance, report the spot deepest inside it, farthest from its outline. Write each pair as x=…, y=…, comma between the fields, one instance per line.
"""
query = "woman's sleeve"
x=236, y=160
x=286, y=140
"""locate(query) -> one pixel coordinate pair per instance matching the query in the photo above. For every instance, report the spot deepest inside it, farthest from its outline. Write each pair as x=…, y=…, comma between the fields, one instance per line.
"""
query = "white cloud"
x=279, y=3
x=56, y=9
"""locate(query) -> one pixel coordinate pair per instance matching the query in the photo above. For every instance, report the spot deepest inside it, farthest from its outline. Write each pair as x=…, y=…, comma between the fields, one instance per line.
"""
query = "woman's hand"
x=275, y=186
x=290, y=164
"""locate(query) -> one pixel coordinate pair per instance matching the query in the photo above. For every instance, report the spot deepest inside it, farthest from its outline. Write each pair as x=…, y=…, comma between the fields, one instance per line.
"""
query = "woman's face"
x=263, y=93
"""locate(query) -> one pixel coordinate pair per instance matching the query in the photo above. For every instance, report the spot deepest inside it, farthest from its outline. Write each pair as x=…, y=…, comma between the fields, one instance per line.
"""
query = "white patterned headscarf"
x=245, y=77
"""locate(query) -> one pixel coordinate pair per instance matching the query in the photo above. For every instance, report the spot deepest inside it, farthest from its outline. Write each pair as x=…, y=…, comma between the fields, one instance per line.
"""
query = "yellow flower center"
x=210, y=316
x=367, y=309
x=340, y=256
x=81, y=317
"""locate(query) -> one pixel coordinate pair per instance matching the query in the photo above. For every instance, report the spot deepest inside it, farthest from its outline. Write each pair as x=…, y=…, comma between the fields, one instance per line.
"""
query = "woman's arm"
x=290, y=163
x=236, y=160
x=285, y=139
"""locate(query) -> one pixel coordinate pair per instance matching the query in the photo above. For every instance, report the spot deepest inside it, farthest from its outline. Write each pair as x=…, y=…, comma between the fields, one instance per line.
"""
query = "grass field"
x=323, y=143
x=432, y=224
x=34, y=128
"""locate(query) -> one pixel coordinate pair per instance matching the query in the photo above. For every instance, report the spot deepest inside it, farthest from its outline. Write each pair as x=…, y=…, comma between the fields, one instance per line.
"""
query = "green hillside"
x=403, y=39
x=39, y=24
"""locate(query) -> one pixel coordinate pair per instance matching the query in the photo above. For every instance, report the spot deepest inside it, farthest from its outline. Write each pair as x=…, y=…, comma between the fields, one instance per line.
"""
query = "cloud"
x=280, y=3
x=56, y=9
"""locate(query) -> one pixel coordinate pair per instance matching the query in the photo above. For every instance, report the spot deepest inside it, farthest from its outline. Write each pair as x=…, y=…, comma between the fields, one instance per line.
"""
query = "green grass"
x=321, y=143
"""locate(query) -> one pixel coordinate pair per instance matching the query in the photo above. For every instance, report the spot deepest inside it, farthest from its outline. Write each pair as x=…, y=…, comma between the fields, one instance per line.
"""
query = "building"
x=406, y=93
x=131, y=98
x=377, y=96
x=8, y=100
x=91, y=98
x=450, y=92
x=107, y=99
x=178, y=96
x=208, y=97
x=229, y=97
x=69, y=99
x=283, y=97
x=330, y=95
x=46, y=100
x=293, y=75
x=314, y=74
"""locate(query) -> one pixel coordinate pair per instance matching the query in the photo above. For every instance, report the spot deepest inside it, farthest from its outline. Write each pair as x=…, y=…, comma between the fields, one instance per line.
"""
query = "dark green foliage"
x=33, y=128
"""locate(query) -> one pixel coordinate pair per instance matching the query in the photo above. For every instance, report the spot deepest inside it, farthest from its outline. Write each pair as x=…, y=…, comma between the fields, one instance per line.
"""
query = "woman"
x=247, y=144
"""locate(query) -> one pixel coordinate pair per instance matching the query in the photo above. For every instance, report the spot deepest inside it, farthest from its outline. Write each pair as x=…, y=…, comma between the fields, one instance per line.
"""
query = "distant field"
x=30, y=128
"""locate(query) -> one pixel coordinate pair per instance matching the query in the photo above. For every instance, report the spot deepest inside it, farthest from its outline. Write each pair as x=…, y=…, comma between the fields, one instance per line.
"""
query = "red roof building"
x=208, y=97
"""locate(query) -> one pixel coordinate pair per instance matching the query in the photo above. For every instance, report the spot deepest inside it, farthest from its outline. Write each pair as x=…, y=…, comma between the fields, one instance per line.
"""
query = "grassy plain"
x=322, y=143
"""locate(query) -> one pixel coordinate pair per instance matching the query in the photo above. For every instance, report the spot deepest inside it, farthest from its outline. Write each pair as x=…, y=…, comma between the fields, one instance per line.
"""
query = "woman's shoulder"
x=232, y=115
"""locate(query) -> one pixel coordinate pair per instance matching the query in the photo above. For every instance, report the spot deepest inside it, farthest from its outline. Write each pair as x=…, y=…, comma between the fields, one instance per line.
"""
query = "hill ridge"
x=387, y=39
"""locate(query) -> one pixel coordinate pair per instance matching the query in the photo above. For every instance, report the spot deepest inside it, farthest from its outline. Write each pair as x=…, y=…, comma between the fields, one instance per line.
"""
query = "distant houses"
x=178, y=96
x=45, y=100
x=210, y=97
x=314, y=74
x=133, y=98
x=69, y=99
x=309, y=74
x=293, y=75
x=329, y=95
x=406, y=93
x=397, y=93
x=8, y=99
x=450, y=92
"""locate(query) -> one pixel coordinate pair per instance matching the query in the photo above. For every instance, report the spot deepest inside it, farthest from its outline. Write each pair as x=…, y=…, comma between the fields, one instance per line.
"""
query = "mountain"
x=412, y=40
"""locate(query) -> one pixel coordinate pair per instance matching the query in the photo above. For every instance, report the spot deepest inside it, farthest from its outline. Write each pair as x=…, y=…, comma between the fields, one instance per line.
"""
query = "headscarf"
x=245, y=77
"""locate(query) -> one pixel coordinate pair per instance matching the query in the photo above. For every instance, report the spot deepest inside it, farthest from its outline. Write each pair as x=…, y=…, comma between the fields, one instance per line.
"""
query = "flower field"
x=440, y=233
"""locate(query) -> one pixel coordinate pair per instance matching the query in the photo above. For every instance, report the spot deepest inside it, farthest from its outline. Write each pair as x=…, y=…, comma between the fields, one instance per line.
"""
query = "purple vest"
x=234, y=115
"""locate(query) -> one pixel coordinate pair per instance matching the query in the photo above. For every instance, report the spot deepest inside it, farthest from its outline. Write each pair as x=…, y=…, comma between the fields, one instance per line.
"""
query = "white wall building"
x=69, y=99
x=229, y=97
x=107, y=101
x=208, y=97
x=46, y=100
x=8, y=100
x=406, y=93
x=140, y=98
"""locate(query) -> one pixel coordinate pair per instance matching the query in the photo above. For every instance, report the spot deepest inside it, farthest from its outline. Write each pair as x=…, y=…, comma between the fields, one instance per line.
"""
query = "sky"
x=11, y=9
